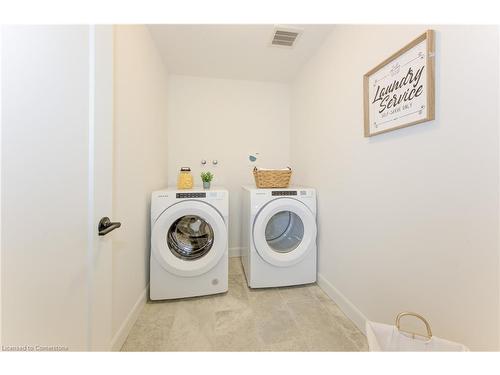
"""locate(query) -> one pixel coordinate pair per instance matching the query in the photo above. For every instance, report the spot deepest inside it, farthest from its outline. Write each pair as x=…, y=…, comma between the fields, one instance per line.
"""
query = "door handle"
x=105, y=226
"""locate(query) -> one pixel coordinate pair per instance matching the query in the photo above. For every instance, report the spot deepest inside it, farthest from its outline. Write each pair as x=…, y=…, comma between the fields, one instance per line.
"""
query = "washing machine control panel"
x=190, y=195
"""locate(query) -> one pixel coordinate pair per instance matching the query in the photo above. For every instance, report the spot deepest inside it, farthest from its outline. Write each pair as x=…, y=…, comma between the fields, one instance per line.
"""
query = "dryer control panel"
x=283, y=192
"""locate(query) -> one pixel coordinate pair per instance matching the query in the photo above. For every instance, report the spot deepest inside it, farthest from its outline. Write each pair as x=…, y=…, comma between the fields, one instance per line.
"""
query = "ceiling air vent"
x=285, y=37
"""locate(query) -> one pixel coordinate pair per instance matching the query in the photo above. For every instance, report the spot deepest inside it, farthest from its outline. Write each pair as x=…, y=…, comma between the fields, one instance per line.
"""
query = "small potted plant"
x=207, y=177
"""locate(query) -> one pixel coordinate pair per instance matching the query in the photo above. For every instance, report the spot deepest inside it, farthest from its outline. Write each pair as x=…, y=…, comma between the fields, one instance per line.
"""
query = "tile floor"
x=301, y=318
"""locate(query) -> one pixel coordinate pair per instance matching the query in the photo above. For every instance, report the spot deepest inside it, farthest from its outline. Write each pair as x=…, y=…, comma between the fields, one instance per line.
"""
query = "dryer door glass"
x=284, y=231
x=190, y=237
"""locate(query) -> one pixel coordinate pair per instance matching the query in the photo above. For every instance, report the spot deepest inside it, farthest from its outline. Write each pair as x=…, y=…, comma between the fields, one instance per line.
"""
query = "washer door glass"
x=190, y=237
x=284, y=231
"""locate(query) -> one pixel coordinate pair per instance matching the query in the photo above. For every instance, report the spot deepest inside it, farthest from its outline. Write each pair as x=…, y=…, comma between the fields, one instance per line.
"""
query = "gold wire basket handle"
x=418, y=316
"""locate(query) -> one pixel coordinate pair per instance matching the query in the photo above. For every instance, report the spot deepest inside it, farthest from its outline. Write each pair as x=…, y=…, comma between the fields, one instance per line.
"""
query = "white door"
x=56, y=185
x=284, y=232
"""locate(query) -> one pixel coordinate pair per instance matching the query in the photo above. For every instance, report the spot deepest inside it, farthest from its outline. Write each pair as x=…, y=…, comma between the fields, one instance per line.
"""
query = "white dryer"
x=189, y=243
x=279, y=236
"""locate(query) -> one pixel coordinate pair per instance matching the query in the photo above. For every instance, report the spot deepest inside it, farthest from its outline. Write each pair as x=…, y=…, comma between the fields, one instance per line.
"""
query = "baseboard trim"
x=122, y=333
x=234, y=252
x=347, y=307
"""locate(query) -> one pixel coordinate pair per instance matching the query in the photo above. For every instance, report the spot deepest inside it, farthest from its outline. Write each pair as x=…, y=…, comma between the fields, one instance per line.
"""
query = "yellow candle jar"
x=185, y=179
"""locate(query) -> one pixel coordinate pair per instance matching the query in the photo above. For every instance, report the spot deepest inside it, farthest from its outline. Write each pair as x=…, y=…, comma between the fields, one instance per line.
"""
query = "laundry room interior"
x=320, y=227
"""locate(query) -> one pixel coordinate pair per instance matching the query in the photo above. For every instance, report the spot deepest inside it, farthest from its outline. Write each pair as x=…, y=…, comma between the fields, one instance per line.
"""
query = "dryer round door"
x=189, y=238
x=284, y=232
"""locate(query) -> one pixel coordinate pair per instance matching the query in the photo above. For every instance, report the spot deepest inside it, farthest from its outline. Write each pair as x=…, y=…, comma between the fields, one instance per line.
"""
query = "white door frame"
x=100, y=186
x=1, y=28
x=498, y=157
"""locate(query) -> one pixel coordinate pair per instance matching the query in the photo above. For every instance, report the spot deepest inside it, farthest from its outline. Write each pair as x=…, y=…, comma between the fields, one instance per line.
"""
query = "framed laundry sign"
x=399, y=92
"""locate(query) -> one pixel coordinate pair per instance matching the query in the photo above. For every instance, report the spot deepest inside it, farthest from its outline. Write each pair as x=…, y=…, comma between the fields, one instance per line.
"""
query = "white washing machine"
x=279, y=236
x=189, y=243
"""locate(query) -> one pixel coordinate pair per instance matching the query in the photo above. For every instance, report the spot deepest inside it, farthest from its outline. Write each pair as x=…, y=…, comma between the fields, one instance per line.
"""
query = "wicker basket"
x=272, y=178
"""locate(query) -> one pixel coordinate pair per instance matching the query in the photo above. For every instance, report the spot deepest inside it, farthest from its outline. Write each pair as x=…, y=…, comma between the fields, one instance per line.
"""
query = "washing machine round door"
x=189, y=238
x=284, y=232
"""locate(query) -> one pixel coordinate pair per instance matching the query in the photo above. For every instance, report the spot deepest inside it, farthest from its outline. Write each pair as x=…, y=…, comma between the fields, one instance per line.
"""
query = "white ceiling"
x=235, y=51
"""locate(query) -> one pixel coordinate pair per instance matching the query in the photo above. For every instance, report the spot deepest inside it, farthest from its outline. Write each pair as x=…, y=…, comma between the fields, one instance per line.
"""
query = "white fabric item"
x=387, y=338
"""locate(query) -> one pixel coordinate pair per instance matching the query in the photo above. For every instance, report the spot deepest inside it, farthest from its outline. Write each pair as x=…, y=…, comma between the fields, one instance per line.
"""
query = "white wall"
x=227, y=120
x=45, y=118
x=408, y=220
x=140, y=164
